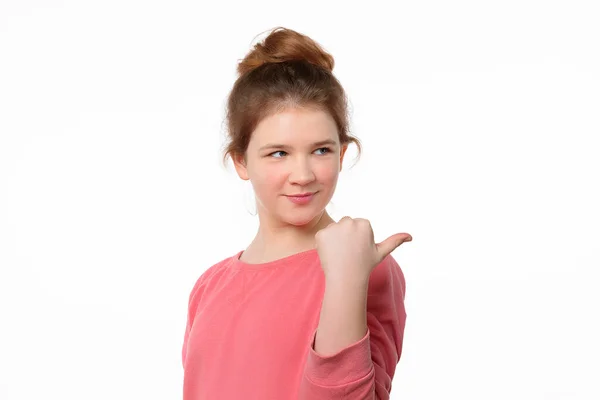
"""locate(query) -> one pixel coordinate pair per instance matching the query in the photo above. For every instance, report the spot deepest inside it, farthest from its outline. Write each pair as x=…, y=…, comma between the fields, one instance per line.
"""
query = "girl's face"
x=292, y=152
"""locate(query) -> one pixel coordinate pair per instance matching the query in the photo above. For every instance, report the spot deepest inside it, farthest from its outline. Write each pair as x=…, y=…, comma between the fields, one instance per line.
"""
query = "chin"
x=299, y=223
x=302, y=218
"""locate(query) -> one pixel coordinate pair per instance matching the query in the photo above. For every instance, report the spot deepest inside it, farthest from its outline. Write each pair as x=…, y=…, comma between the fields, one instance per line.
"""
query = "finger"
x=390, y=244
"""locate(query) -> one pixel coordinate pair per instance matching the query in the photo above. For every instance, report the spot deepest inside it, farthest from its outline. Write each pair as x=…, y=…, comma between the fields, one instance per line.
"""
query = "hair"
x=286, y=70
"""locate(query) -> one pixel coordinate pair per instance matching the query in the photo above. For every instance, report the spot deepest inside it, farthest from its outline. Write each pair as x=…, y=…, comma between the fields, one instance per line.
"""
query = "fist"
x=347, y=248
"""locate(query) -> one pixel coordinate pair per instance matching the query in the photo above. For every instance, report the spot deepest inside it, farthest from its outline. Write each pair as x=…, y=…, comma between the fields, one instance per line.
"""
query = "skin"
x=346, y=249
x=348, y=255
x=286, y=228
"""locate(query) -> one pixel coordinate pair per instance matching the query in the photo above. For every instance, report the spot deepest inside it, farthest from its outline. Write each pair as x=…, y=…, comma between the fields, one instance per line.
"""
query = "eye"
x=279, y=151
x=327, y=150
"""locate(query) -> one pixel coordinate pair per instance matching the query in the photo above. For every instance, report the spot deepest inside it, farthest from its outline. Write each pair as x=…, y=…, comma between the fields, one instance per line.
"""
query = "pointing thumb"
x=390, y=244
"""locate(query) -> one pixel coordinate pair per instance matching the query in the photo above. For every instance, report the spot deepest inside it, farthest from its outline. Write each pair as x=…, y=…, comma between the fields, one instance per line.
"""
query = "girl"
x=312, y=308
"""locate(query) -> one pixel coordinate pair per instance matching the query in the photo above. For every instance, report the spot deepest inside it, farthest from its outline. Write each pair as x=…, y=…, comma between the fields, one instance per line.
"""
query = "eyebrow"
x=283, y=146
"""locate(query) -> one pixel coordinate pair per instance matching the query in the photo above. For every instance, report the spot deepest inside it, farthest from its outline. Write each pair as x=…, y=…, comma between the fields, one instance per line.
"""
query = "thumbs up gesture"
x=347, y=248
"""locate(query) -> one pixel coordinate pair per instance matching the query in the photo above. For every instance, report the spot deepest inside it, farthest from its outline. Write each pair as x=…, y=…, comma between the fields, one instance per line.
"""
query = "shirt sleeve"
x=364, y=370
x=186, y=335
x=193, y=300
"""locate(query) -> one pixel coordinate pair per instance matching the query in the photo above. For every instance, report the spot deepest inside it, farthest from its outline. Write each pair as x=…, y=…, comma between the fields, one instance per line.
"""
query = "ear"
x=240, y=166
x=342, y=152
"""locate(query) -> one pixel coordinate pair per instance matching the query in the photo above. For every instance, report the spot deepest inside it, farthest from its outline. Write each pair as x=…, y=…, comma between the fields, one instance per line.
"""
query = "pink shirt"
x=251, y=327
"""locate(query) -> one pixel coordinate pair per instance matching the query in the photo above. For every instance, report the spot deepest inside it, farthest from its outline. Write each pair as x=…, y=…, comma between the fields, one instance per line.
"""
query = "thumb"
x=390, y=244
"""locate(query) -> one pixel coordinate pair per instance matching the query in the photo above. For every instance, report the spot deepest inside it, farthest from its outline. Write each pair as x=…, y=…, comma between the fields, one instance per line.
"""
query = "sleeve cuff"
x=350, y=364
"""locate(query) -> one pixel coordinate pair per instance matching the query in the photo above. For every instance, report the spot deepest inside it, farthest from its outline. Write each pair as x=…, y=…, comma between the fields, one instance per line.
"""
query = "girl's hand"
x=347, y=248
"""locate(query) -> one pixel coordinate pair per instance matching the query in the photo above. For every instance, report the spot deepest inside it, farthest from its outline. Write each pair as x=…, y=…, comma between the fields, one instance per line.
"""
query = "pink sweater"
x=251, y=327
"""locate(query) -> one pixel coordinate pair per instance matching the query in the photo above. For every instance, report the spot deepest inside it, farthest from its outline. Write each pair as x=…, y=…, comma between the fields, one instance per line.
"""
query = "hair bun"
x=284, y=44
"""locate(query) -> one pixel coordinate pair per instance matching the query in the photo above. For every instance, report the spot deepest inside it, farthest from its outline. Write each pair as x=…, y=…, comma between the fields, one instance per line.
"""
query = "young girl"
x=312, y=308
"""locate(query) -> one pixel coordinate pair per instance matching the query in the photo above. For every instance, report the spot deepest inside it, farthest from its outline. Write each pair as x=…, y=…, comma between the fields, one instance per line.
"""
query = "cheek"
x=269, y=182
x=327, y=174
x=273, y=180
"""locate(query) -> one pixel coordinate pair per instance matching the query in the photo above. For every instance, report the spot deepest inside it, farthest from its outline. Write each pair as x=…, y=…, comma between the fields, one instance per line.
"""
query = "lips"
x=301, y=194
x=302, y=198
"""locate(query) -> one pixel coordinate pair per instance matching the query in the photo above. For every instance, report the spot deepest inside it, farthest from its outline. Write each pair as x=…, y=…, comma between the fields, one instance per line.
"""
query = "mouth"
x=301, y=198
x=301, y=194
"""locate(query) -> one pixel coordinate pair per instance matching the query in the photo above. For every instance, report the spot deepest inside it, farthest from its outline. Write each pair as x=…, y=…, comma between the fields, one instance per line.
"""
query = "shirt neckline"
x=287, y=260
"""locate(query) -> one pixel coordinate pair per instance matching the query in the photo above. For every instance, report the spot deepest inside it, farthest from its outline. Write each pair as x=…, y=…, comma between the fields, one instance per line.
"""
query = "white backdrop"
x=479, y=122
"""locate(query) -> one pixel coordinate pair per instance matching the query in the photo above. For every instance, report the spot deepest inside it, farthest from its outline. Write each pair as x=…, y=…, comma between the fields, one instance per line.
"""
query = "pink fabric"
x=250, y=331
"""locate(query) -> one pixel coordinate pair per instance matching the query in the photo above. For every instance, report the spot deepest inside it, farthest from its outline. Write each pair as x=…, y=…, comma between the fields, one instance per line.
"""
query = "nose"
x=301, y=172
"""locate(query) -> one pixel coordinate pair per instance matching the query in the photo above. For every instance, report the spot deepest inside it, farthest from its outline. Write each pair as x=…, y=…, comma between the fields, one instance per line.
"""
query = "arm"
x=358, y=341
x=188, y=327
x=343, y=319
x=185, y=340
x=193, y=299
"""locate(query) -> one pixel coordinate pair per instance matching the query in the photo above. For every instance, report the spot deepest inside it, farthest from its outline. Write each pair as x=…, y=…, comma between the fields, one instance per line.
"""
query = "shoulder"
x=387, y=277
x=207, y=276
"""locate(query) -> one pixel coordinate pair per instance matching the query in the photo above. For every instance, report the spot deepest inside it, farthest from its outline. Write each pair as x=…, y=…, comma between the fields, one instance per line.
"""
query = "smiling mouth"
x=301, y=194
x=303, y=199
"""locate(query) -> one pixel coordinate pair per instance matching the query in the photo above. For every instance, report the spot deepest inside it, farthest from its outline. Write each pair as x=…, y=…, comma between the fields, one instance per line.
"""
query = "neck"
x=285, y=238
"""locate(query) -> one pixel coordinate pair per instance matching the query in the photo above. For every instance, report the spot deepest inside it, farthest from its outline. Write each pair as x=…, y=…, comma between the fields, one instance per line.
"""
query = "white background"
x=479, y=121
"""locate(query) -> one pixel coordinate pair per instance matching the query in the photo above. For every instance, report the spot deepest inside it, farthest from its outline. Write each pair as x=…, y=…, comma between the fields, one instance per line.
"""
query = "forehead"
x=294, y=127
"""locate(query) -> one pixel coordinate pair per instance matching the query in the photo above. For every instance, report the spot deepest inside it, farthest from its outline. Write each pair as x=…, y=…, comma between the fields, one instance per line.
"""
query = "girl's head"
x=288, y=127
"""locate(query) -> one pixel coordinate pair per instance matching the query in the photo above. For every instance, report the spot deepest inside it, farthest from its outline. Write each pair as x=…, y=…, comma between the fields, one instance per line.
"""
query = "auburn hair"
x=286, y=70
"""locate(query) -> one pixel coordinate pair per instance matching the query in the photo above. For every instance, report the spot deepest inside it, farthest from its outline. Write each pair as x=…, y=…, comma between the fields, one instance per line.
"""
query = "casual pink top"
x=251, y=327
